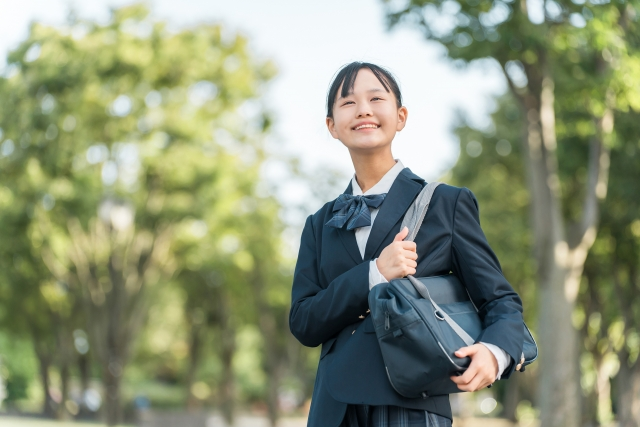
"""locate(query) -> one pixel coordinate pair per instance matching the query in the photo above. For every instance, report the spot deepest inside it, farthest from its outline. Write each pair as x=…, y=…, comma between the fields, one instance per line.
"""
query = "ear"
x=403, y=113
x=332, y=127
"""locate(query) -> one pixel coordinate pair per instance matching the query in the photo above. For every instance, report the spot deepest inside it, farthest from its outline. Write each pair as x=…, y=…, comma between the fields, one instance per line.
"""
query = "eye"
x=376, y=99
x=348, y=102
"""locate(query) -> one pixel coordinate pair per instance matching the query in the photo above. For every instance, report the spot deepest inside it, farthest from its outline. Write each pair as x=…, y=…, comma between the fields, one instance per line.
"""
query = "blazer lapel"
x=348, y=237
x=403, y=191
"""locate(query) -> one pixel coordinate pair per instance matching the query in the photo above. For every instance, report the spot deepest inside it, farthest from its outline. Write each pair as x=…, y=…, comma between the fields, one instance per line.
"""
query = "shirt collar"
x=381, y=186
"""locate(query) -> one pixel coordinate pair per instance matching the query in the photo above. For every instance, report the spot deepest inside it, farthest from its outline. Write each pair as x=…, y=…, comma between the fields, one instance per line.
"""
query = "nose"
x=364, y=110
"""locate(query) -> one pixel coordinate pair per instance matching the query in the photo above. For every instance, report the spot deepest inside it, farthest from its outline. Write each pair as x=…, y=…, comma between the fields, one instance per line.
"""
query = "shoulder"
x=448, y=191
x=453, y=200
x=451, y=194
x=321, y=216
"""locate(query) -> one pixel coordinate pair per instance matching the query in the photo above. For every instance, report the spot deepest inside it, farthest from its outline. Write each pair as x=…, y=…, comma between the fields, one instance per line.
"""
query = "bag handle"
x=413, y=220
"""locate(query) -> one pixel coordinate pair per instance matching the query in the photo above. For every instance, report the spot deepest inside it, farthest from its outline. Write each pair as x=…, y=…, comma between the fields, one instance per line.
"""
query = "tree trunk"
x=112, y=375
x=48, y=405
x=558, y=391
x=628, y=388
x=273, y=349
x=83, y=369
x=603, y=392
x=511, y=398
x=227, y=385
x=559, y=385
x=227, y=349
x=63, y=412
x=115, y=302
x=560, y=253
x=271, y=363
x=194, y=360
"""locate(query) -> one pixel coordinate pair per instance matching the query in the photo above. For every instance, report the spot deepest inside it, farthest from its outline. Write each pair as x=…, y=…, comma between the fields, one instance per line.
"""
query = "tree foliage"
x=130, y=159
x=577, y=58
x=489, y=163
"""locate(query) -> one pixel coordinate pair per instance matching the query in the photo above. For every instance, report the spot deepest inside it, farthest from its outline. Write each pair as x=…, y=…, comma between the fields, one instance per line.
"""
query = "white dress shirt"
x=362, y=235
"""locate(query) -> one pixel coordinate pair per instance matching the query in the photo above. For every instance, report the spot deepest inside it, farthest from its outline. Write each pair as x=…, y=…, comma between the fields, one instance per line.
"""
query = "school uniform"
x=336, y=269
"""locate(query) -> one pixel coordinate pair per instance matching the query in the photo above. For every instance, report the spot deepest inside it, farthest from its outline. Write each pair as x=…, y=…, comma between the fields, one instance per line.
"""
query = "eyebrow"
x=368, y=91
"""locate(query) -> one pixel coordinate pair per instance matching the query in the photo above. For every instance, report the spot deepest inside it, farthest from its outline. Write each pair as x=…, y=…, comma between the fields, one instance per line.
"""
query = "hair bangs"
x=345, y=80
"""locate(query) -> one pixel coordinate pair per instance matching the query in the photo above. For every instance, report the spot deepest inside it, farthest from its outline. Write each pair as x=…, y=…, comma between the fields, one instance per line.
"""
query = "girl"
x=354, y=243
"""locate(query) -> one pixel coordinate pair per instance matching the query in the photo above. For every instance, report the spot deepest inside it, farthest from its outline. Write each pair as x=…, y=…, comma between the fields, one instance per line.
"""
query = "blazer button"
x=368, y=310
x=354, y=331
x=361, y=316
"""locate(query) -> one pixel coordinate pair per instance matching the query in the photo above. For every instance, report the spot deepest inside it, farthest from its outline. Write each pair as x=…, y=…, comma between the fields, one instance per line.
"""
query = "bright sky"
x=309, y=41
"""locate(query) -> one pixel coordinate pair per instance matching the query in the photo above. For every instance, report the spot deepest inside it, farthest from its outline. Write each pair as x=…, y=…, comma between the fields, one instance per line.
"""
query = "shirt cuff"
x=375, y=276
x=501, y=356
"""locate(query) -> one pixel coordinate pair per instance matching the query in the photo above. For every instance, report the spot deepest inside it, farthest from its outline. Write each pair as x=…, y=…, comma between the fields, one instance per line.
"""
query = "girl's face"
x=368, y=118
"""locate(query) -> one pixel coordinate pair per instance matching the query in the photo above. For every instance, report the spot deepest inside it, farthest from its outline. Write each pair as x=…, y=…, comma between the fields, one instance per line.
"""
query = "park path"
x=184, y=420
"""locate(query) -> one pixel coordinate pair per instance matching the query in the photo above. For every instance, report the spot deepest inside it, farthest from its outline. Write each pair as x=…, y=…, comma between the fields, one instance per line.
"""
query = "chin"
x=367, y=146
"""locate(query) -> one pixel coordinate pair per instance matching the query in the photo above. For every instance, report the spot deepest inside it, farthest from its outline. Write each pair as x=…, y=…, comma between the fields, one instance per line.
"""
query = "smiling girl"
x=354, y=243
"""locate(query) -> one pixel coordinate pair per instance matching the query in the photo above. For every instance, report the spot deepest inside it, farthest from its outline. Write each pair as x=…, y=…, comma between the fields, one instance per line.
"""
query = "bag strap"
x=441, y=314
x=413, y=220
x=417, y=211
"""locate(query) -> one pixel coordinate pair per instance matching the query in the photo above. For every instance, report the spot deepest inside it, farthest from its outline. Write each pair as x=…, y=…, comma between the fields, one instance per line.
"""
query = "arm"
x=375, y=277
x=502, y=358
x=318, y=313
x=475, y=263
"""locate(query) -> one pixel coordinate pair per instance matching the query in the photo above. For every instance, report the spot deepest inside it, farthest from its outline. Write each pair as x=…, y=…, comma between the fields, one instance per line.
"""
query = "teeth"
x=366, y=126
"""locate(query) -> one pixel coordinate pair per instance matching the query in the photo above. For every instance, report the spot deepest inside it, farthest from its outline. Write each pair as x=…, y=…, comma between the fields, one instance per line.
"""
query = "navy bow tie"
x=354, y=211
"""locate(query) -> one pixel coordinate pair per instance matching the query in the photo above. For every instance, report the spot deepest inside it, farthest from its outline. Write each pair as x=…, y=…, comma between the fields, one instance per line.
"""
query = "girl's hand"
x=399, y=258
x=482, y=371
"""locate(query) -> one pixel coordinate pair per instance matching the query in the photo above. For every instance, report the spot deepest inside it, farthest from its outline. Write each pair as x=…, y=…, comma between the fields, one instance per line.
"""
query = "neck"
x=371, y=167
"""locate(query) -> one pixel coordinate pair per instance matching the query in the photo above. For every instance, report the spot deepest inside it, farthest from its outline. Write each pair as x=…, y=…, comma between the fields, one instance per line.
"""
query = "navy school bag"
x=420, y=323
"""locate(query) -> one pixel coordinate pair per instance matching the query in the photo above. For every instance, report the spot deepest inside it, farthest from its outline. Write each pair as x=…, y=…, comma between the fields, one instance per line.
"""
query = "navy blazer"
x=331, y=287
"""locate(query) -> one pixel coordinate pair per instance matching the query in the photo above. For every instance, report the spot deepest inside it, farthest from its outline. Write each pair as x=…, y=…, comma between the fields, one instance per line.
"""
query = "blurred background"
x=158, y=160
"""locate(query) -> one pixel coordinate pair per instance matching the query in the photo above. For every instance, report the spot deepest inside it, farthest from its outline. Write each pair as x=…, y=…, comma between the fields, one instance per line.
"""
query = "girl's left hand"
x=482, y=371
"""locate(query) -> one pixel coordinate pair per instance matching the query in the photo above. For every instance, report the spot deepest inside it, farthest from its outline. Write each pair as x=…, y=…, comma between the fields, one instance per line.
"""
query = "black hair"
x=348, y=74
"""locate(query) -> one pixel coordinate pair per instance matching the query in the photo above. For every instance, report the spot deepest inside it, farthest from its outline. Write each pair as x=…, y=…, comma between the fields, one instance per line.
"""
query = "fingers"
x=477, y=383
x=407, y=260
x=464, y=385
x=479, y=374
x=466, y=377
x=409, y=246
x=409, y=271
x=468, y=351
x=399, y=258
x=401, y=235
x=410, y=255
x=472, y=380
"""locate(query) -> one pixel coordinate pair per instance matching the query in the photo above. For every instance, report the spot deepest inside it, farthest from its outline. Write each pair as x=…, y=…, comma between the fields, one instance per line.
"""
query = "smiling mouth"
x=367, y=126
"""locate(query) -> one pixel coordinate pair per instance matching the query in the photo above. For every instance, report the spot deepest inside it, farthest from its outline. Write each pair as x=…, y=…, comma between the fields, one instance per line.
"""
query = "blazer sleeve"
x=475, y=263
x=317, y=312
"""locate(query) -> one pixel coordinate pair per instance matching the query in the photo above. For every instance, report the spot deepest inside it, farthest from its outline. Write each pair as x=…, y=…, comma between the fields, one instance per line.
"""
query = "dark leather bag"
x=421, y=322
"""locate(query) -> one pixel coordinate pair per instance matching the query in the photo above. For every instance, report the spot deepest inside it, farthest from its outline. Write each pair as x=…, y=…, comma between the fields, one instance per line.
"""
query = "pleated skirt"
x=391, y=416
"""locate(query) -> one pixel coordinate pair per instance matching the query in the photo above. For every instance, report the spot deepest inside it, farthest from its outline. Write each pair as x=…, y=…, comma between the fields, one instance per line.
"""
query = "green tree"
x=490, y=165
x=590, y=47
x=608, y=323
x=609, y=318
x=117, y=131
x=216, y=258
x=34, y=304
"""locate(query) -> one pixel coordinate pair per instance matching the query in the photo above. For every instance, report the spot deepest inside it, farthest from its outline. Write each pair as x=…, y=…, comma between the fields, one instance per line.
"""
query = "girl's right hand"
x=399, y=258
